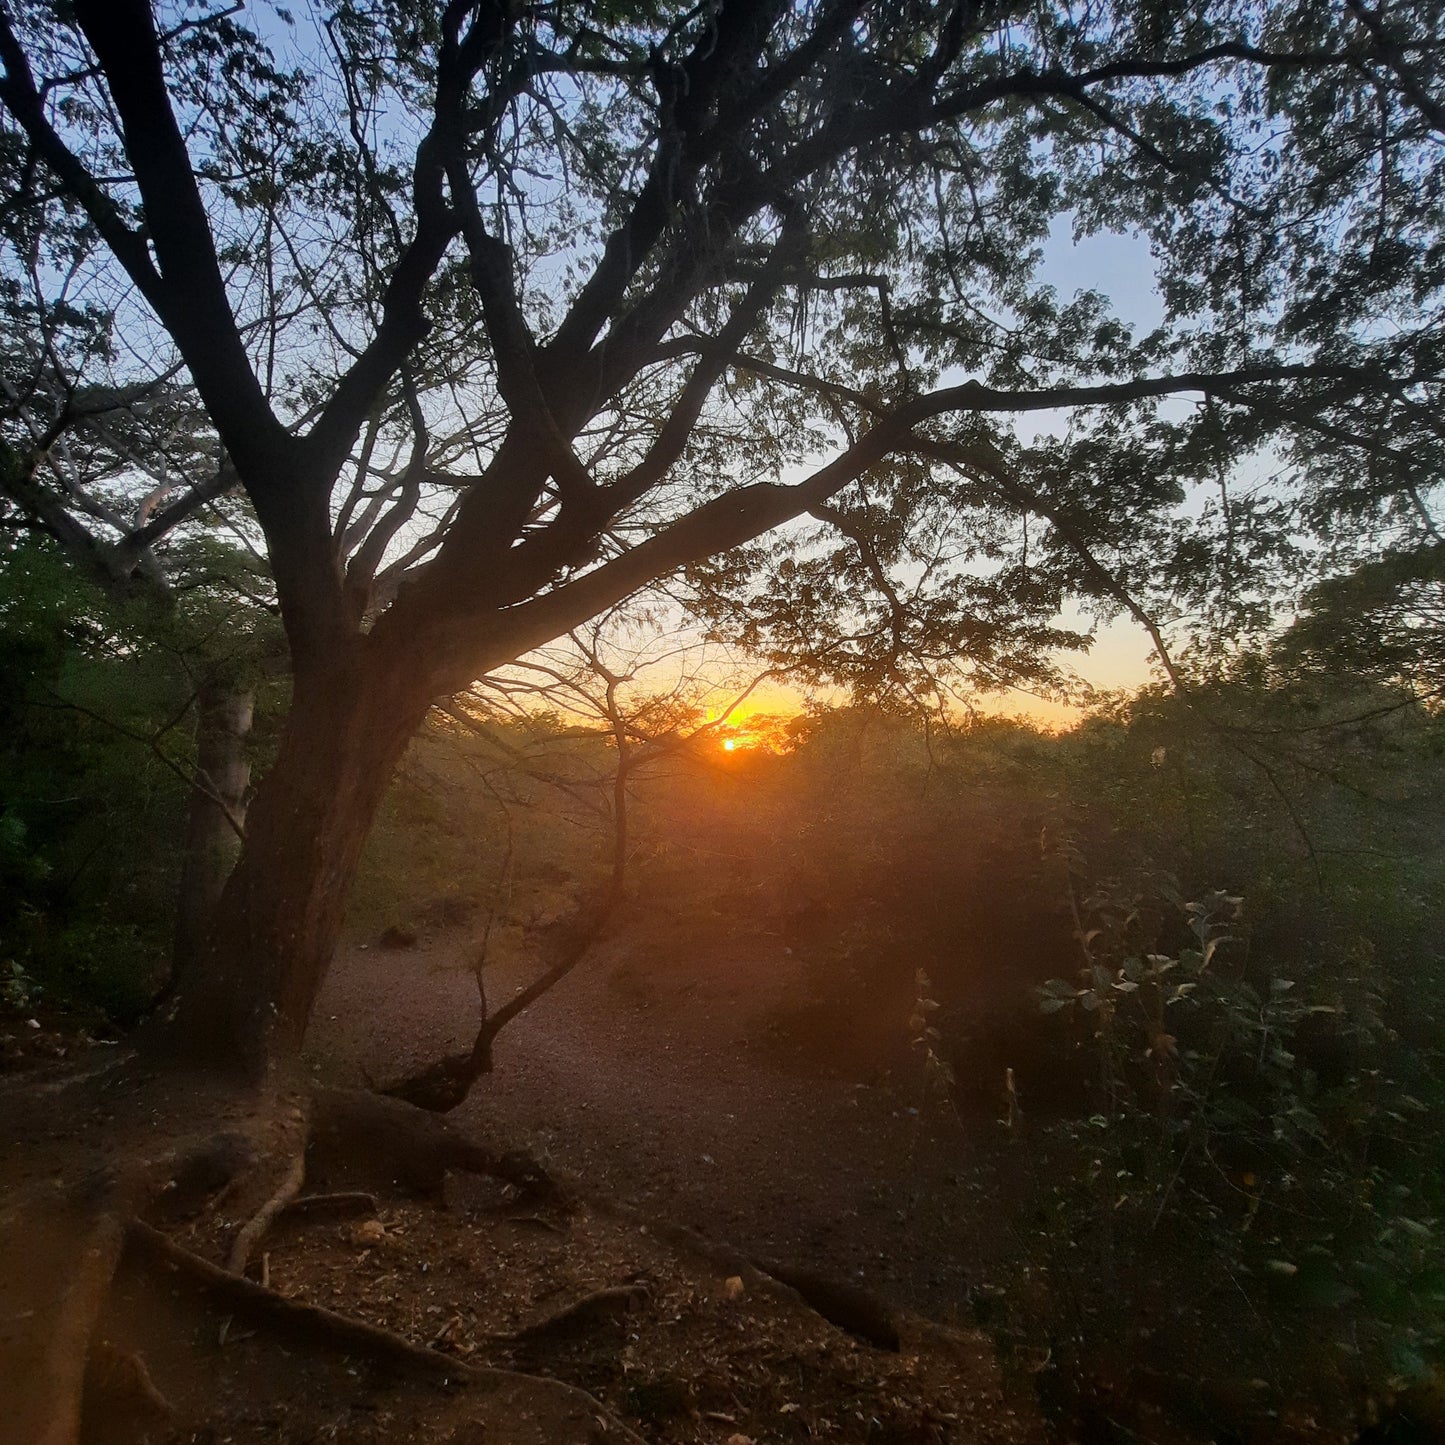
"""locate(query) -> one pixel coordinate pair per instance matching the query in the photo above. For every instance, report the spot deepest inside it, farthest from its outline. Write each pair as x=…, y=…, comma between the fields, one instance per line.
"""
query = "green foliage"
x=1236, y=1111
x=90, y=818
x=1282, y=1126
x=1383, y=620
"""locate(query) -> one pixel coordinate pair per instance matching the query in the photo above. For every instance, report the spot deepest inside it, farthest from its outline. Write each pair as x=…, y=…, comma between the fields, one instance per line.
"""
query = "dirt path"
x=660, y=1072
x=660, y=1075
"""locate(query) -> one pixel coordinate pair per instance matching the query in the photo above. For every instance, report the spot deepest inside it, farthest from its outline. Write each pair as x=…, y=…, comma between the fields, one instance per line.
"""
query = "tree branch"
x=191, y=298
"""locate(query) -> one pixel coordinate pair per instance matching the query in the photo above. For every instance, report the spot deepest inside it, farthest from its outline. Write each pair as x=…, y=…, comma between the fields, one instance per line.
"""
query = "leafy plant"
x=1230, y=1099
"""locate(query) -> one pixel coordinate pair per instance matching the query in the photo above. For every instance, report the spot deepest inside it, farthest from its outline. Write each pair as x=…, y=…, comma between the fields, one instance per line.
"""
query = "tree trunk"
x=246, y=998
x=217, y=813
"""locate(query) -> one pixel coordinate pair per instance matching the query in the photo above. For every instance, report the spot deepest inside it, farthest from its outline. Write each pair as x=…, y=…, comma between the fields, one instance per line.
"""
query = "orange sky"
x=1117, y=660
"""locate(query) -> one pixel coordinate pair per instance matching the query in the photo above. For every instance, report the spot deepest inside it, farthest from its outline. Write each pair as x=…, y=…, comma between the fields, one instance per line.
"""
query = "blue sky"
x=1122, y=268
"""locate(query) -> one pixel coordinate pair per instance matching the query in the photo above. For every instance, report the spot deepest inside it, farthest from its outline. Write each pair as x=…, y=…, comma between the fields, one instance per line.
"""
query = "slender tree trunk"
x=217, y=812
x=246, y=997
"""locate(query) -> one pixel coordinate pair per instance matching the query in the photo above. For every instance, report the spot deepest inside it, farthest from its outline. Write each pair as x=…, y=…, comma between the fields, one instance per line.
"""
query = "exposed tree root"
x=170, y=1147
x=365, y=1140
x=340, y=1205
x=327, y=1328
x=292, y=1317
x=853, y=1310
x=253, y=1231
x=602, y=1310
x=845, y=1305
x=61, y=1243
x=443, y=1085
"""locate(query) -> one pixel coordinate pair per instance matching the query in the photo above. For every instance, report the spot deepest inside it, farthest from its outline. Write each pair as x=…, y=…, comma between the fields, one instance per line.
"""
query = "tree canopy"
x=499, y=313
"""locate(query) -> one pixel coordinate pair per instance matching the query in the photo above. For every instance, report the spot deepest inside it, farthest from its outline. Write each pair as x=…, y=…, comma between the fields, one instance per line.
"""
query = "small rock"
x=368, y=1232
x=739, y=1440
x=733, y=1287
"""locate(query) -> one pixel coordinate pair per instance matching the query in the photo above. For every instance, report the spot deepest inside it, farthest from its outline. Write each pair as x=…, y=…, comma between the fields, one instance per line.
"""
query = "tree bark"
x=246, y=996
x=217, y=813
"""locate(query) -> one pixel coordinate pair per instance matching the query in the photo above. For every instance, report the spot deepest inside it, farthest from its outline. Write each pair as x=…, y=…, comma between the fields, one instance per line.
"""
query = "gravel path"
x=664, y=1082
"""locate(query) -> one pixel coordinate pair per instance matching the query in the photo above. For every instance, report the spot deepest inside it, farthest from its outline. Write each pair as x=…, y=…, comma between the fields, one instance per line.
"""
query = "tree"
x=610, y=278
x=115, y=478
x=1377, y=623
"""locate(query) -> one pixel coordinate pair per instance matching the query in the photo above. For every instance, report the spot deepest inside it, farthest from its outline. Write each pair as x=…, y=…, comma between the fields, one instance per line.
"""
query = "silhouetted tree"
x=628, y=290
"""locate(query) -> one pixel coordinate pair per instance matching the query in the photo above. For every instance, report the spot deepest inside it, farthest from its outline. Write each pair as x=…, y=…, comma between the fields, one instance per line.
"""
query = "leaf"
x=1406, y=1360
x=1057, y=988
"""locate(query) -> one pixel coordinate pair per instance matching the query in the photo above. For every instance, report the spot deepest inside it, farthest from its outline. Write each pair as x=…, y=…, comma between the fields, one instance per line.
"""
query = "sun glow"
x=756, y=733
x=757, y=723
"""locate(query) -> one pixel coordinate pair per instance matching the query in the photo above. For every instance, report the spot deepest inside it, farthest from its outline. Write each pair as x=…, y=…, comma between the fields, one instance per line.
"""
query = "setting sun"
x=746, y=728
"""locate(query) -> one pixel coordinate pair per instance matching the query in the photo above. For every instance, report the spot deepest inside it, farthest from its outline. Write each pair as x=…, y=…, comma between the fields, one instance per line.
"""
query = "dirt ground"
x=681, y=1115
x=569, y=1318
x=663, y=1340
x=716, y=1108
x=700, y=1074
x=672, y=1080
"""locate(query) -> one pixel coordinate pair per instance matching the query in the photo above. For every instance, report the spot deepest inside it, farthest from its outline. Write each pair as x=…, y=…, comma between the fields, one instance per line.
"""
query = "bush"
x=1268, y=1119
